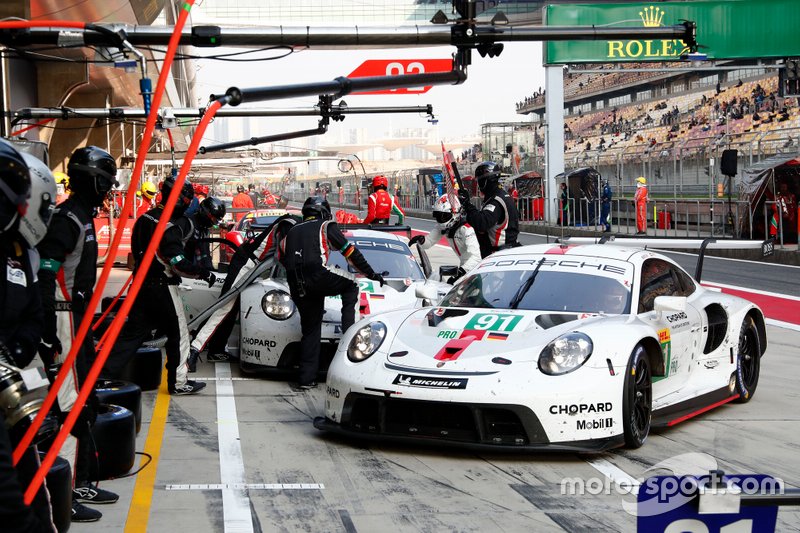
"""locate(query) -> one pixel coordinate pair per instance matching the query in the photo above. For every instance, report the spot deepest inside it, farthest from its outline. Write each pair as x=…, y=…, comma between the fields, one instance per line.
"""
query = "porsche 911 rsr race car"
x=268, y=336
x=543, y=347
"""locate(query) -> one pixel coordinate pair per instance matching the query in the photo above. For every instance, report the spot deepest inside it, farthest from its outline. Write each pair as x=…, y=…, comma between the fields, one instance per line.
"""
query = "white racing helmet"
x=42, y=202
x=445, y=214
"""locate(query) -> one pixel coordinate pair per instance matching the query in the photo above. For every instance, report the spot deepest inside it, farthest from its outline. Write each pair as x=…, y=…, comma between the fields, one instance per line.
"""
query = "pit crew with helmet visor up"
x=209, y=212
x=496, y=223
x=159, y=306
x=381, y=205
x=460, y=235
x=305, y=252
x=21, y=322
x=66, y=277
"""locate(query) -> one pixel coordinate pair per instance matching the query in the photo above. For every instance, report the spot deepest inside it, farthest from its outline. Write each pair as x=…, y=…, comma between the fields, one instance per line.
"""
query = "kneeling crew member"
x=305, y=255
x=497, y=221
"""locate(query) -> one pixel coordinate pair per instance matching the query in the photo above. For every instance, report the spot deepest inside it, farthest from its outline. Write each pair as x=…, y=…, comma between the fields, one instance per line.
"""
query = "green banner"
x=726, y=29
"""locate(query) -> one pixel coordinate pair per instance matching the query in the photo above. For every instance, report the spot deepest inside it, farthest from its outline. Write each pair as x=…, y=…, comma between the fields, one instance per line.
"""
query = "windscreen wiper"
x=523, y=290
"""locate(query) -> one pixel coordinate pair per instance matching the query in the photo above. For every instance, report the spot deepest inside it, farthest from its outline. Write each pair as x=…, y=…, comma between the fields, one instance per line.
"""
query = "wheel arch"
x=655, y=356
x=758, y=318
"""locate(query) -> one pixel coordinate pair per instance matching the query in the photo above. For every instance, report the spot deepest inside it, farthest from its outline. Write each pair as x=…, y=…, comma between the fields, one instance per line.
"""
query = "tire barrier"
x=114, y=435
x=144, y=368
x=59, y=485
x=122, y=393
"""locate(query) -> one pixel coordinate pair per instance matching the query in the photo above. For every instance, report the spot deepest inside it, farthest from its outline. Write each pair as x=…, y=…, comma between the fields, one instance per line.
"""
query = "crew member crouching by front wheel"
x=305, y=252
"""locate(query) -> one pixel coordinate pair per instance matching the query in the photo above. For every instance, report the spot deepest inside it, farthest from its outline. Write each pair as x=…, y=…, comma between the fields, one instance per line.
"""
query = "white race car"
x=548, y=347
x=268, y=336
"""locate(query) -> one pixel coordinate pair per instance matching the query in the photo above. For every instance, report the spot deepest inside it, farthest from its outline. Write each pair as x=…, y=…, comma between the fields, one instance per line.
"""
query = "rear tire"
x=637, y=399
x=144, y=368
x=748, y=361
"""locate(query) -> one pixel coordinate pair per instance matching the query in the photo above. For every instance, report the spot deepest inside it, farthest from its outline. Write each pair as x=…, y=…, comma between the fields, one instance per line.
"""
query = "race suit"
x=463, y=241
x=158, y=306
x=496, y=223
x=67, y=274
x=241, y=201
x=305, y=252
x=605, y=208
x=641, y=208
x=380, y=206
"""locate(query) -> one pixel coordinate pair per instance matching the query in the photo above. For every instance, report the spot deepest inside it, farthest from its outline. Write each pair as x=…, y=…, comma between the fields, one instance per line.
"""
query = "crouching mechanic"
x=158, y=305
x=460, y=236
x=496, y=223
x=215, y=332
x=305, y=252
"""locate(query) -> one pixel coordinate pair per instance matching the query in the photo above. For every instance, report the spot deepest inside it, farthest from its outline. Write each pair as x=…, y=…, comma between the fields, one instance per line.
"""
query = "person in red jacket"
x=241, y=201
x=381, y=204
x=641, y=206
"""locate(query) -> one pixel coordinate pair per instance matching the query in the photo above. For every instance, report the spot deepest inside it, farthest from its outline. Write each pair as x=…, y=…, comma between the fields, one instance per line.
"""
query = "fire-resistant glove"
x=417, y=239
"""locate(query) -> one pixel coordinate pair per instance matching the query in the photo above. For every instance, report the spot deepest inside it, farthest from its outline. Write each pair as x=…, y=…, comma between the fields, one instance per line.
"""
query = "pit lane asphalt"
x=348, y=486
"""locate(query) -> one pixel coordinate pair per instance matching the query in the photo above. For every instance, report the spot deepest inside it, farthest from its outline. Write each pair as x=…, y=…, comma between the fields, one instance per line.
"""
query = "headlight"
x=565, y=354
x=277, y=304
x=366, y=341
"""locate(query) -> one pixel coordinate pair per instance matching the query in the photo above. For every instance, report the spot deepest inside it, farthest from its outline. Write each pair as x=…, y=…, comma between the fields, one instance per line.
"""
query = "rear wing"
x=767, y=247
x=403, y=228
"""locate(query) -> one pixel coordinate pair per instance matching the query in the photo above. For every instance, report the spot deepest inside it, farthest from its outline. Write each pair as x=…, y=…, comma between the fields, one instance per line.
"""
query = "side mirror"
x=669, y=304
x=426, y=292
x=447, y=271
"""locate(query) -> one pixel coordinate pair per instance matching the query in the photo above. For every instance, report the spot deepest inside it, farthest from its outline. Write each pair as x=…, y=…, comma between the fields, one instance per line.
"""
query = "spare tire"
x=114, y=434
x=144, y=368
x=104, y=325
x=59, y=485
x=122, y=393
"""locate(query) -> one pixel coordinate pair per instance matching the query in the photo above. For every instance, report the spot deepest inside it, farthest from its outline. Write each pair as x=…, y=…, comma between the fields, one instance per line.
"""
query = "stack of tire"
x=145, y=368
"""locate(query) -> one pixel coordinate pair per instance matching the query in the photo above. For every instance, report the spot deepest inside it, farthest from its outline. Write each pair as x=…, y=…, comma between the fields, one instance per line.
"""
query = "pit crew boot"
x=191, y=361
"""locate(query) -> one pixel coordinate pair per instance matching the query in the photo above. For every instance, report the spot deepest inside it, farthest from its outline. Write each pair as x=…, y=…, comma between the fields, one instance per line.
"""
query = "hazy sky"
x=489, y=95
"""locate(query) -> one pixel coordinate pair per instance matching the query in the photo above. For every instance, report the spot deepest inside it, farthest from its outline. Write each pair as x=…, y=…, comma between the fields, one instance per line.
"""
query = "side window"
x=687, y=283
x=657, y=279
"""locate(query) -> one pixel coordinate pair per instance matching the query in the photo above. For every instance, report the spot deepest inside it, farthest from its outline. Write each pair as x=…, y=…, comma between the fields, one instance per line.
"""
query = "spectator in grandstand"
x=605, y=206
x=564, y=201
x=786, y=202
x=640, y=199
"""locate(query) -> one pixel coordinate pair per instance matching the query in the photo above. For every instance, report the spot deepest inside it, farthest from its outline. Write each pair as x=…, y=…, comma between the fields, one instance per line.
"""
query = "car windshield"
x=383, y=255
x=550, y=291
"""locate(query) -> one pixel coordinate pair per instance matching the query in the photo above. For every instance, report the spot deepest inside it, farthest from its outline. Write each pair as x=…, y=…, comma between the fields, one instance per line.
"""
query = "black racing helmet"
x=488, y=175
x=212, y=210
x=15, y=186
x=92, y=173
x=185, y=198
x=317, y=207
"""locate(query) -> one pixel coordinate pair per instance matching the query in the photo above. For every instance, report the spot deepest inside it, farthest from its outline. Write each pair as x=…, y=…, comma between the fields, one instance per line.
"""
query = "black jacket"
x=309, y=244
x=496, y=223
x=21, y=318
x=170, y=262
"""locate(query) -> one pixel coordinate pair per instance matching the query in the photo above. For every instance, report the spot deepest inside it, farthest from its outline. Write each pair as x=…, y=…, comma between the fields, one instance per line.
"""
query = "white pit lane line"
x=614, y=473
x=237, y=516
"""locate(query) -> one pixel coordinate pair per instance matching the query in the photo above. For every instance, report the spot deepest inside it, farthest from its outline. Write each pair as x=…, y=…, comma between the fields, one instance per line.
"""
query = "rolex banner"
x=726, y=29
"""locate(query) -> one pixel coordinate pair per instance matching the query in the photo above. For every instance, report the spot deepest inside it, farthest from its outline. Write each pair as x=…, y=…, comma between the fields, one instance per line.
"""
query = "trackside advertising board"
x=726, y=29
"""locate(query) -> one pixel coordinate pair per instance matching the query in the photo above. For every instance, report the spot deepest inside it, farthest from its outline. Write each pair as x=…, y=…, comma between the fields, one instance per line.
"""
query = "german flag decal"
x=496, y=336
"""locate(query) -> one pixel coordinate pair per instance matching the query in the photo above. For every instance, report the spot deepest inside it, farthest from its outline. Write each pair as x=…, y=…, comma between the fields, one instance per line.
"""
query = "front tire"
x=637, y=399
x=748, y=361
